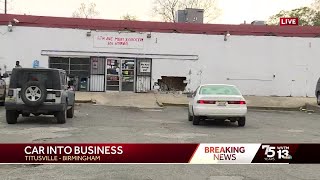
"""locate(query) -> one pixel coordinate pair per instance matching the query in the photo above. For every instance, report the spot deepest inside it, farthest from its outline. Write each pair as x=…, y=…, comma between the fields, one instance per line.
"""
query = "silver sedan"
x=218, y=102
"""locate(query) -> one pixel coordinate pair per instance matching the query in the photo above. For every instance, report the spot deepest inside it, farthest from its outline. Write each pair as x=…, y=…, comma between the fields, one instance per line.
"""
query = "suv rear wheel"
x=33, y=93
x=318, y=98
x=11, y=116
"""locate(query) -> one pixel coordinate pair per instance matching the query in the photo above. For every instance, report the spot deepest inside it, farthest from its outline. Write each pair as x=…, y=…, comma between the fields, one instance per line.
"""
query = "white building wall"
x=250, y=62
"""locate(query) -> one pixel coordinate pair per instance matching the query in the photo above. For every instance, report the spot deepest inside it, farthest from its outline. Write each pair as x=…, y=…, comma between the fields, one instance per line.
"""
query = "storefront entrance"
x=120, y=74
x=99, y=74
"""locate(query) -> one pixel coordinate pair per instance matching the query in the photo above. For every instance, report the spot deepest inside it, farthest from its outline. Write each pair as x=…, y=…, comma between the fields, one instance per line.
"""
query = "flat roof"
x=163, y=27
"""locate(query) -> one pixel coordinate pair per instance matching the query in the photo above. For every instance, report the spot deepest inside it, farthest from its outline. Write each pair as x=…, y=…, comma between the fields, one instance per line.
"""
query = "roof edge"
x=165, y=27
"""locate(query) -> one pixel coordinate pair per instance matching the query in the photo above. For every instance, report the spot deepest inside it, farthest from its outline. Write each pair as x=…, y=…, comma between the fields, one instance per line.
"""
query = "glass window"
x=219, y=90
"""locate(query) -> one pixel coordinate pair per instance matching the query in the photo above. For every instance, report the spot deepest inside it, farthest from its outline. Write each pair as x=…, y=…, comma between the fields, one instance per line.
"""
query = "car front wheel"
x=318, y=98
x=242, y=122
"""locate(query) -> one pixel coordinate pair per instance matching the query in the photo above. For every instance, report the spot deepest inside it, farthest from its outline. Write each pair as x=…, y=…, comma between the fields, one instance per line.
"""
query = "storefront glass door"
x=120, y=74
x=127, y=74
x=113, y=75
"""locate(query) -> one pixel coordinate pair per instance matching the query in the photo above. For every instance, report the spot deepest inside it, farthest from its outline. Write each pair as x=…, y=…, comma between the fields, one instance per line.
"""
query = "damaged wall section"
x=171, y=83
x=185, y=69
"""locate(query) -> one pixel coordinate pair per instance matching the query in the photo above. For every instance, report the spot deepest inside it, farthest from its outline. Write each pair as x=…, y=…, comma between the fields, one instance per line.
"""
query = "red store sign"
x=126, y=41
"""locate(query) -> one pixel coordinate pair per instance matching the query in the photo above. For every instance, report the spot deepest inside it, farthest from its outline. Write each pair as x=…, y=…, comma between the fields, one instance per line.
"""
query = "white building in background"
x=132, y=56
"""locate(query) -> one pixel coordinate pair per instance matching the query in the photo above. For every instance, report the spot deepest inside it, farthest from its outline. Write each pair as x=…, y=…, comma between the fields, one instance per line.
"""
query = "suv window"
x=51, y=79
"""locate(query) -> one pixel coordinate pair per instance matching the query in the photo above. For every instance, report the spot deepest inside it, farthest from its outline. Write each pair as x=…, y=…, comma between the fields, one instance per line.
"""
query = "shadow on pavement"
x=37, y=120
x=218, y=124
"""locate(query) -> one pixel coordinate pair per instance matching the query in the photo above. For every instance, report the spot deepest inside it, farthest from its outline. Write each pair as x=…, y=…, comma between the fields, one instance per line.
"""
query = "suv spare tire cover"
x=33, y=93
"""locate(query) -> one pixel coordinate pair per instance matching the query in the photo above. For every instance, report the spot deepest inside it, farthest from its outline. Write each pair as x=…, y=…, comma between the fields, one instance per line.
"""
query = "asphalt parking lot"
x=170, y=125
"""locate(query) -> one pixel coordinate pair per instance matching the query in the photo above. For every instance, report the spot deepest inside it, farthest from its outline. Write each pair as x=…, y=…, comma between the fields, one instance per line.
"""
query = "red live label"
x=289, y=21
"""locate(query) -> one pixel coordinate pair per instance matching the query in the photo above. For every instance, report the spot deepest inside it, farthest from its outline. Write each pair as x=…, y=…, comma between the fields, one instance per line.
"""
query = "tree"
x=316, y=5
x=307, y=16
x=167, y=9
x=86, y=11
x=129, y=17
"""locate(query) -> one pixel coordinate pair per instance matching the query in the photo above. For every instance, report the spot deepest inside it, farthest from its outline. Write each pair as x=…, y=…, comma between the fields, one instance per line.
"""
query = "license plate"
x=222, y=103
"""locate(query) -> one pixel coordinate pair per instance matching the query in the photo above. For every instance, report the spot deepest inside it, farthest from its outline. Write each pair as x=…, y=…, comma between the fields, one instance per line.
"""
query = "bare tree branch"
x=86, y=11
x=129, y=17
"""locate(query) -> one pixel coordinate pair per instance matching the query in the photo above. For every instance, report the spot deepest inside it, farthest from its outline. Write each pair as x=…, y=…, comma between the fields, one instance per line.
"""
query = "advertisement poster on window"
x=145, y=67
x=95, y=64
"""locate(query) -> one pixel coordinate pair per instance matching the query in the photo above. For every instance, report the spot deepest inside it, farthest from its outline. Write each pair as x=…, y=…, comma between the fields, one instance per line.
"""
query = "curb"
x=83, y=101
x=159, y=104
x=312, y=108
x=136, y=107
x=172, y=104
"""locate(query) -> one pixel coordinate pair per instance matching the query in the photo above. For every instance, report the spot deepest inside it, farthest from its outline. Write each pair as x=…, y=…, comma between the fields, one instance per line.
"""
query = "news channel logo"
x=273, y=153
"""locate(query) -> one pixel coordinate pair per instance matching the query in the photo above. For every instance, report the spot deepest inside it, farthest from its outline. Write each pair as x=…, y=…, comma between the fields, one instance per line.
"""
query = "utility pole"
x=5, y=6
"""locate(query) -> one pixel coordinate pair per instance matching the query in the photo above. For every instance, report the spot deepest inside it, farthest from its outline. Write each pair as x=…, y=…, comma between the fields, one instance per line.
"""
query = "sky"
x=233, y=11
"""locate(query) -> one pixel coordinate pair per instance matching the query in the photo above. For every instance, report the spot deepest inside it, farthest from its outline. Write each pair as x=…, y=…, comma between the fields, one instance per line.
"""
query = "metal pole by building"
x=5, y=6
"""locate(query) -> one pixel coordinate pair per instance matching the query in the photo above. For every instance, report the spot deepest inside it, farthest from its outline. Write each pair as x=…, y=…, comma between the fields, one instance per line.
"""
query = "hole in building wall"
x=172, y=83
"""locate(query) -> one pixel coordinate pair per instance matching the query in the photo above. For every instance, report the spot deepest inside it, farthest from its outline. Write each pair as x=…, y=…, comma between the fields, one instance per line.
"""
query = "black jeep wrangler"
x=39, y=91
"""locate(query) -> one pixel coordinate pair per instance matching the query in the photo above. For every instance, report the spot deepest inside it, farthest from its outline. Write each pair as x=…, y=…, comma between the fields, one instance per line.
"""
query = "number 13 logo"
x=270, y=152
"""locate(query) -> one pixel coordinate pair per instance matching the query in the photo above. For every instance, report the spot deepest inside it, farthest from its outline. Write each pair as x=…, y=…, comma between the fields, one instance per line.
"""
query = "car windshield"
x=219, y=90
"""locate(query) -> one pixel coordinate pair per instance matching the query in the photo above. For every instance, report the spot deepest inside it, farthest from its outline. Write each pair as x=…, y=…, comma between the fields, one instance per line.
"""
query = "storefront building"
x=109, y=55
